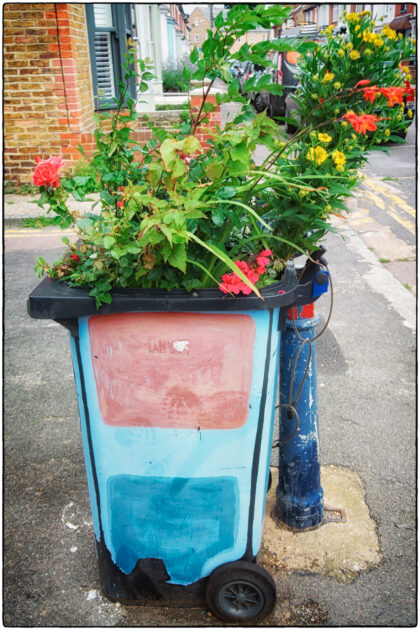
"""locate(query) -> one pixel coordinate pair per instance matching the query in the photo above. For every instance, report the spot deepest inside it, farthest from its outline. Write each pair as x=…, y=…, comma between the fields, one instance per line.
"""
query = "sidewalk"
x=362, y=572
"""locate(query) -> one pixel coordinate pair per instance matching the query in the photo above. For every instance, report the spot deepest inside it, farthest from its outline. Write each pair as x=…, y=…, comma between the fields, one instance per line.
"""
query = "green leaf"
x=178, y=258
x=108, y=241
x=191, y=145
x=214, y=171
x=194, y=55
x=217, y=216
x=240, y=153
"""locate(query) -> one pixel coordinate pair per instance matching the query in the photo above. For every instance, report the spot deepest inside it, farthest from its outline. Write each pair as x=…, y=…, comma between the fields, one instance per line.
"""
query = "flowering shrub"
x=176, y=214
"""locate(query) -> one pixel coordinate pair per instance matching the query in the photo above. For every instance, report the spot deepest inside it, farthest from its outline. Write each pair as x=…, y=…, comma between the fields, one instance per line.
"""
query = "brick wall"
x=48, y=96
x=215, y=118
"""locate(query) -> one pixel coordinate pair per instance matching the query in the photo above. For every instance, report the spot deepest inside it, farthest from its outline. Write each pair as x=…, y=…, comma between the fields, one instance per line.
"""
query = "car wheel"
x=259, y=103
x=240, y=592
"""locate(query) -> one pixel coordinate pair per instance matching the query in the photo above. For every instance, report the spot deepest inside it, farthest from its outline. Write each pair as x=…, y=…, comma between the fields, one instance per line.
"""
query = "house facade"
x=63, y=62
x=400, y=17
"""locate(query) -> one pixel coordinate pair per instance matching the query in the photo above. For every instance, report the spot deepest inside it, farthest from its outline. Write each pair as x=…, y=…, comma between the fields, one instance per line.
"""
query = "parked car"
x=244, y=73
x=286, y=73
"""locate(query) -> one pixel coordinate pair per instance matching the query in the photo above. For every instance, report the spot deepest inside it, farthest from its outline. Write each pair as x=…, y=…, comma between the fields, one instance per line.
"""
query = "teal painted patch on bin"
x=183, y=521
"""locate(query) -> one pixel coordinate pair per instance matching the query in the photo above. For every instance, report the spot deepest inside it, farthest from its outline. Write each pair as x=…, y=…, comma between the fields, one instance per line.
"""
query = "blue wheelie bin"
x=176, y=396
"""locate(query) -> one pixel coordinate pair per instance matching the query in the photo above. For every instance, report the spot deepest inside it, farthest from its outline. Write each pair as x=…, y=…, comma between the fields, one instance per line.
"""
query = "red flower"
x=263, y=260
x=75, y=257
x=120, y=204
x=362, y=82
x=362, y=123
x=46, y=173
x=395, y=95
x=370, y=93
x=232, y=283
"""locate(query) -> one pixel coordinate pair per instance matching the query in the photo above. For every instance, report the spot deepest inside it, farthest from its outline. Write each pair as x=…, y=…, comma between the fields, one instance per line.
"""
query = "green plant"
x=174, y=80
x=38, y=223
x=10, y=188
x=194, y=216
x=362, y=71
x=384, y=260
x=166, y=107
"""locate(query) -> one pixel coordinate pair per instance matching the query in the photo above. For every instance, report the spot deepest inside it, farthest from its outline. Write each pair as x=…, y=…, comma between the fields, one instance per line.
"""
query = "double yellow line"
x=397, y=209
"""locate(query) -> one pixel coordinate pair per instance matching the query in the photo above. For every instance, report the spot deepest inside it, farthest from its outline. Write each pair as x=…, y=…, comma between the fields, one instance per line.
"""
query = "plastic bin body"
x=177, y=413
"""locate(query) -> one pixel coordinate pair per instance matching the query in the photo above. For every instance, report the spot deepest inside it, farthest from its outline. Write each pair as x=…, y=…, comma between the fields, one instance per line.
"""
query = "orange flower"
x=395, y=95
x=370, y=93
x=362, y=123
x=362, y=82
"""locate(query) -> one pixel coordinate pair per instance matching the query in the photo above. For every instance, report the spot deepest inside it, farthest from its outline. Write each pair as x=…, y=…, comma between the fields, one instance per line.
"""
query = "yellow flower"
x=363, y=13
x=319, y=155
x=340, y=168
x=354, y=55
x=340, y=52
x=329, y=29
x=344, y=124
x=387, y=132
x=389, y=32
x=324, y=137
x=315, y=77
x=367, y=36
x=328, y=76
x=378, y=41
x=408, y=77
x=400, y=36
x=353, y=135
x=368, y=52
x=410, y=113
x=387, y=49
x=337, y=85
x=357, y=28
x=398, y=117
x=314, y=96
x=339, y=157
x=303, y=193
x=352, y=17
x=405, y=69
x=349, y=46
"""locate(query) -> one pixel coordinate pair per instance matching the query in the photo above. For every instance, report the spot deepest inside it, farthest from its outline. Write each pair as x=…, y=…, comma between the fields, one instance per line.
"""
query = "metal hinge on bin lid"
x=321, y=282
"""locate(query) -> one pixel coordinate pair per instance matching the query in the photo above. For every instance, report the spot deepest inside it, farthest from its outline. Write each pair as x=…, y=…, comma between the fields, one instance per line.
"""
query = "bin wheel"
x=240, y=591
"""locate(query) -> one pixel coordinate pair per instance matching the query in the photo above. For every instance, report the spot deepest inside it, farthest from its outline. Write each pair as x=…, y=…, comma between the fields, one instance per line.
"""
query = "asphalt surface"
x=366, y=377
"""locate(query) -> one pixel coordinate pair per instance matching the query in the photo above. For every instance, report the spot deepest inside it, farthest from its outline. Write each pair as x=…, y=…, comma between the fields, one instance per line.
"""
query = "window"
x=335, y=12
x=195, y=21
x=109, y=28
x=196, y=38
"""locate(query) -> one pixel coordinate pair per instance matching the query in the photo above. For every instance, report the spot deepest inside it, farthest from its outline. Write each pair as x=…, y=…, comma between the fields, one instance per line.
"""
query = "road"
x=366, y=377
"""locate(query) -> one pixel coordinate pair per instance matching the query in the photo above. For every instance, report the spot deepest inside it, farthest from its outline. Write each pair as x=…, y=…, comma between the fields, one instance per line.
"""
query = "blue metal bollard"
x=299, y=495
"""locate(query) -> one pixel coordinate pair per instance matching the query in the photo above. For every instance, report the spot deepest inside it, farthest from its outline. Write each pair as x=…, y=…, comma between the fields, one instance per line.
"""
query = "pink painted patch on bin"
x=173, y=370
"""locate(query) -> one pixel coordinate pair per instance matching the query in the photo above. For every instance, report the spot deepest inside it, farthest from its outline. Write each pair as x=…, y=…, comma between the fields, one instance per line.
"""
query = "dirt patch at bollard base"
x=340, y=549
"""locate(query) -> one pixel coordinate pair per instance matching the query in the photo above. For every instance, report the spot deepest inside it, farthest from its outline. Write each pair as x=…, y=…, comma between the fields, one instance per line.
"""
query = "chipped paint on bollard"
x=299, y=495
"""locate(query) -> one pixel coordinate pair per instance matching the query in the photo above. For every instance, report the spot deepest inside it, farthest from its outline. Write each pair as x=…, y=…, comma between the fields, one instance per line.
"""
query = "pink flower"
x=46, y=173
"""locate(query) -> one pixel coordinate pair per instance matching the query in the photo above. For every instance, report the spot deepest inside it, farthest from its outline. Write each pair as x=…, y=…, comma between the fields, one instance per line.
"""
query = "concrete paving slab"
x=341, y=550
x=406, y=272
